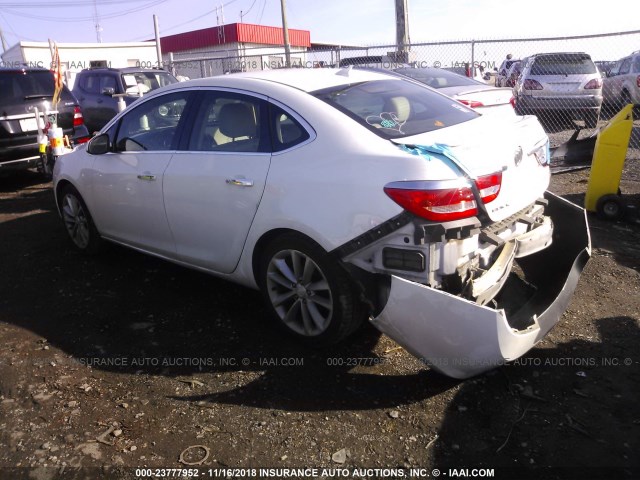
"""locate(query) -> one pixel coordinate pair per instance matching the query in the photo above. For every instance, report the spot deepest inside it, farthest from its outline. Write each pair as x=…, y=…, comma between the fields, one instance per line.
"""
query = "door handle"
x=147, y=176
x=240, y=182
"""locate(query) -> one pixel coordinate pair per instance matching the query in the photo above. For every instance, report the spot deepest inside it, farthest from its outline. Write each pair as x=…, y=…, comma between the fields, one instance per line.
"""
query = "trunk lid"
x=516, y=146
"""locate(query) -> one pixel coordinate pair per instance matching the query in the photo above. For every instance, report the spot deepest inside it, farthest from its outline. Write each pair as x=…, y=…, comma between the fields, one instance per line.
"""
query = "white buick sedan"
x=342, y=195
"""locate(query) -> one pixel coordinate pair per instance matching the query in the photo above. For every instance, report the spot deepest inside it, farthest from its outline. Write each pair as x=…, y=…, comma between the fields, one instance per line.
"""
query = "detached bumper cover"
x=460, y=338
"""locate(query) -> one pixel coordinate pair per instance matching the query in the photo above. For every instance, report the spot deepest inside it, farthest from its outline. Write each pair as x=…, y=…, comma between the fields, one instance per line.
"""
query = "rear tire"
x=308, y=292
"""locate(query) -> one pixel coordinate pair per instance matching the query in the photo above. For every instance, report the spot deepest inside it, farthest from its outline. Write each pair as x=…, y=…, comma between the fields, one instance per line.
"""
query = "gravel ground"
x=122, y=361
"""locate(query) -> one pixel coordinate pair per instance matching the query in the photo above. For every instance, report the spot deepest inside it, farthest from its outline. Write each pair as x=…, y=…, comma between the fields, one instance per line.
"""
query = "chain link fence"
x=571, y=83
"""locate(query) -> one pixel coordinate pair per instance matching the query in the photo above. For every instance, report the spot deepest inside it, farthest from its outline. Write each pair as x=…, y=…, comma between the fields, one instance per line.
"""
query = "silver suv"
x=566, y=83
x=622, y=84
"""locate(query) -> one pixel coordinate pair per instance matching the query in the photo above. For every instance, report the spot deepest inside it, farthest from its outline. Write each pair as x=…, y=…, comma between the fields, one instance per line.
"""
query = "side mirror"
x=99, y=145
x=108, y=91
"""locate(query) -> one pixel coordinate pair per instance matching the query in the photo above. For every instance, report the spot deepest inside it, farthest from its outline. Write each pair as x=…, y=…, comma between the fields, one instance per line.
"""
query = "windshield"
x=563, y=64
x=437, y=78
x=146, y=81
x=396, y=108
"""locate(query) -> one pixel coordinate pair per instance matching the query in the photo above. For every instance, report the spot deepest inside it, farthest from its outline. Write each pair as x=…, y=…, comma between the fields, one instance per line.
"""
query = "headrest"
x=237, y=120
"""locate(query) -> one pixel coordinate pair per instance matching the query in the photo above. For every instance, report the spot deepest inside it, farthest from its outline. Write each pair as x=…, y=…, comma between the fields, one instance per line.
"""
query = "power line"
x=77, y=19
x=141, y=37
x=250, y=8
x=264, y=4
x=41, y=4
x=173, y=27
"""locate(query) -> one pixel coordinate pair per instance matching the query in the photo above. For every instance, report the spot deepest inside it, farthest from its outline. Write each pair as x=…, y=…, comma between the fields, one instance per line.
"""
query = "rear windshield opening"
x=396, y=108
x=563, y=65
x=438, y=78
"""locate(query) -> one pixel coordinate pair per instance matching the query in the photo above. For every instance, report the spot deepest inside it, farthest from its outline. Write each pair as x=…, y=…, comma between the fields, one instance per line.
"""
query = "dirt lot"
x=122, y=361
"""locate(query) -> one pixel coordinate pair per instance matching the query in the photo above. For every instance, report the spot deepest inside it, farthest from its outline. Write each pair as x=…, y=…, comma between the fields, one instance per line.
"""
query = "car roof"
x=305, y=79
x=25, y=68
x=123, y=70
x=559, y=53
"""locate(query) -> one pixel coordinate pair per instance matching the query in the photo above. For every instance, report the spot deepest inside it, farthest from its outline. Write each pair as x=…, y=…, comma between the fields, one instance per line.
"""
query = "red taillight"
x=78, y=119
x=445, y=202
x=638, y=81
x=472, y=103
x=489, y=186
x=530, y=84
x=513, y=102
x=593, y=84
x=438, y=205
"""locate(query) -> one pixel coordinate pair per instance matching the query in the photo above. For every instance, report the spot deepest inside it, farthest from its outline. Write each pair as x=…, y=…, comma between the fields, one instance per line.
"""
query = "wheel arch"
x=373, y=288
x=61, y=185
x=267, y=238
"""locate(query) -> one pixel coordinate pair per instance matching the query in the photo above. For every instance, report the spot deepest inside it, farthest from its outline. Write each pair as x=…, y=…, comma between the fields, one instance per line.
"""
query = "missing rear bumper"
x=461, y=338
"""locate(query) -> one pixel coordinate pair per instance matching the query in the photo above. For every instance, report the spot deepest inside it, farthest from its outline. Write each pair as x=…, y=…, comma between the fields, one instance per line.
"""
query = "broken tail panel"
x=462, y=338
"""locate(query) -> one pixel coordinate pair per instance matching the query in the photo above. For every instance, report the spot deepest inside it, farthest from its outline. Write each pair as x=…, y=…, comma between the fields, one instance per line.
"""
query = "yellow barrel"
x=608, y=158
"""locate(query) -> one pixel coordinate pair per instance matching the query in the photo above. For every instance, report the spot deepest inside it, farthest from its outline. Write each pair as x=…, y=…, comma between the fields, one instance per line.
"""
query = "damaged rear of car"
x=482, y=261
x=343, y=195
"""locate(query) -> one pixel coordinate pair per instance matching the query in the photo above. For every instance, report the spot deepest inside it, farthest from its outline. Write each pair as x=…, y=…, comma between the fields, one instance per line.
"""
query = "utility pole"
x=402, y=31
x=156, y=29
x=98, y=27
x=285, y=32
x=220, y=23
x=4, y=42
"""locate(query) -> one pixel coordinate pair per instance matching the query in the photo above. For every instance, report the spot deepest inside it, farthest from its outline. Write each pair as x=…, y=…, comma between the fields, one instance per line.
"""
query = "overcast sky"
x=352, y=22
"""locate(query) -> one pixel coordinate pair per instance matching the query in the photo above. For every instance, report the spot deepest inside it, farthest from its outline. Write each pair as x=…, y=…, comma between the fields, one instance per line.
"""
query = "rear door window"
x=230, y=122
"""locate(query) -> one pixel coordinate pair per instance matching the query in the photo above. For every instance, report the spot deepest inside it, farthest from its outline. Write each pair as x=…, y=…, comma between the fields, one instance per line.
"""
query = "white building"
x=77, y=56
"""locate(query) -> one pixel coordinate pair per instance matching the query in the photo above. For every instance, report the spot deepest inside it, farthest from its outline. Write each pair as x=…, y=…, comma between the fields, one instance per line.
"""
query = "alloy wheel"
x=75, y=219
x=299, y=292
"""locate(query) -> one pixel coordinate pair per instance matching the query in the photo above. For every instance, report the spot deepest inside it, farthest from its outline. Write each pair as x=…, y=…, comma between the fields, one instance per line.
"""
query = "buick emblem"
x=517, y=158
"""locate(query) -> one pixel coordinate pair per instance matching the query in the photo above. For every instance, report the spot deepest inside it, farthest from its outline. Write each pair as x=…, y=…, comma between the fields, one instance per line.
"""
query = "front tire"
x=78, y=221
x=307, y=292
